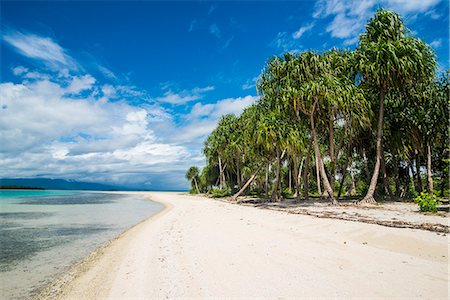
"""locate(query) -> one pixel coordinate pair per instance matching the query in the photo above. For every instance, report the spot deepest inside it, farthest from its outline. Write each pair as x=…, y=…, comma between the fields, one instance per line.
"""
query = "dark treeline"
x=371, y=123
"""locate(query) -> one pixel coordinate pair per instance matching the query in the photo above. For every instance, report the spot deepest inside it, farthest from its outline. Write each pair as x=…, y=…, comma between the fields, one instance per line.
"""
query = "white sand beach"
x=202, y=248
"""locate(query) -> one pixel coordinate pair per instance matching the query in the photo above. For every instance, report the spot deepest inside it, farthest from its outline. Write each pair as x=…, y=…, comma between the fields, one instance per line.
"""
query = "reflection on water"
x=78, y=199
x=44, y=232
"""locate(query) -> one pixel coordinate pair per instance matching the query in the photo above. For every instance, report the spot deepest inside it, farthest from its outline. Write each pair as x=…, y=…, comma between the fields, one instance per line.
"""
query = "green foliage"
x=427, y=202
x=220, y=193
x=287, y=193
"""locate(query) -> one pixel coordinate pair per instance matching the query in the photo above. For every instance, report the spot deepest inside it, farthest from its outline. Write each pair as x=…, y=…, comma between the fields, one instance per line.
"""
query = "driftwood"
x=434, y=227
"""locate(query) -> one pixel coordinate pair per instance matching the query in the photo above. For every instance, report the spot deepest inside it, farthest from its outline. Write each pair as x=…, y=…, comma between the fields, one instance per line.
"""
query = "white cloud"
x=436, y=43
x=19, y=70
x=298, y=34
x=80, y=83
x=222, y=107
x=203, y=118
x=411, y=6
x=348, y=17
x=50, y=129
x=183, y=96
x=40, y=48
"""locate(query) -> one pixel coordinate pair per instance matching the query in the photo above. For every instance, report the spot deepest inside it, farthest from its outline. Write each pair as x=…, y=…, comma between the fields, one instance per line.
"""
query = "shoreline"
x=54, y=289
x=201, y=248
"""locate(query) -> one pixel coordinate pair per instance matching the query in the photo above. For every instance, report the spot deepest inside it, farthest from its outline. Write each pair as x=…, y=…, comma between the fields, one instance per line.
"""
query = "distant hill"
x=58, y=184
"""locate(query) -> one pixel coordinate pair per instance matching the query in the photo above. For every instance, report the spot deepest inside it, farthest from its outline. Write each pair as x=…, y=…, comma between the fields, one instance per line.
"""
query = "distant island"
x=54, y=184
x=19, y=187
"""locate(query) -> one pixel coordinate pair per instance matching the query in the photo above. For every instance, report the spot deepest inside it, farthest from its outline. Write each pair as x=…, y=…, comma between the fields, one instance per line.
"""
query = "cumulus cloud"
x=203, y=117
x=61, y=122
x=40, y=48
x=52, y=128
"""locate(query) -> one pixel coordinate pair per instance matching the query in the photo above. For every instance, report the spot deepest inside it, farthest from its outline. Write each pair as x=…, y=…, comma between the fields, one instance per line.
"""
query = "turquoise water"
x=14, y=194
x=43, y=232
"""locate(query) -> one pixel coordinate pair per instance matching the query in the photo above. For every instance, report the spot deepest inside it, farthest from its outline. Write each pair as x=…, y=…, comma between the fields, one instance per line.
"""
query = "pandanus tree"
x=192, y=175
x=256, y=155
x=388, y=59
x=215, y=148
x=322, y=93
x=426, y=118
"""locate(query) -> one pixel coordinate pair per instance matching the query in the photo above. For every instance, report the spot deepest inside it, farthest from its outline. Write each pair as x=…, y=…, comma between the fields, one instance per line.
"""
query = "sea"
x=44, y=232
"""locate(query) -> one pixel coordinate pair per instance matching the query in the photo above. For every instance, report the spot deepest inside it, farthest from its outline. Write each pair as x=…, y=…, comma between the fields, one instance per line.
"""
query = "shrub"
x=427, y=202
x=287, y=193
x=219, y=193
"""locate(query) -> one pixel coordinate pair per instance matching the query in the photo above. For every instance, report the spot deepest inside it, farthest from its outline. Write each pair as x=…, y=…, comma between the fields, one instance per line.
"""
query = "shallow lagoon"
x=42, y=233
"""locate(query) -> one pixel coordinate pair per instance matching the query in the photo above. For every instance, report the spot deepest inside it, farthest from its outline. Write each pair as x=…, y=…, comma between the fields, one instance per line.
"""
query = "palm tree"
x=192, y=175
x=387, y=59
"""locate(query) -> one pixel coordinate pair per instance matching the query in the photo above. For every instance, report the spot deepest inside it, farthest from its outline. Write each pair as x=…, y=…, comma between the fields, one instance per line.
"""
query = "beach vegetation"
x=367, y=124
x=427, y=202
x=192, y=175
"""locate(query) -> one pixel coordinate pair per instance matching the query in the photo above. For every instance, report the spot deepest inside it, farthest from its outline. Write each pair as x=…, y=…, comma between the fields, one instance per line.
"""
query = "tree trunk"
x=429, y=171
x=275, y=194
x=344, y=174
x=332, y=152
x=295, y=175
x=196, y=185
x=306, y=173
x=369, y=199
x=290, y=175
x=221, y=174
x=297, y=180
x=387, y=188
x=319, y=189
x=267, y=181
x=246, y=185
x=326, y=183
x=418, y=176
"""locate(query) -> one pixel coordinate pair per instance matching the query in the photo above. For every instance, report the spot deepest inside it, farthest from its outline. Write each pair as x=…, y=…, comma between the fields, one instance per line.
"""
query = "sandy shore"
x=201, y=248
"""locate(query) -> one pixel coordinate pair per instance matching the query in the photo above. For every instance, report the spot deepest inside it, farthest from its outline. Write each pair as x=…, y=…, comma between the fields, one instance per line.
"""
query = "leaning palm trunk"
x=326, y=183
x=429, y=172
x=196, y=186
x=369, y=199
x=246, y=185
x=319, y=189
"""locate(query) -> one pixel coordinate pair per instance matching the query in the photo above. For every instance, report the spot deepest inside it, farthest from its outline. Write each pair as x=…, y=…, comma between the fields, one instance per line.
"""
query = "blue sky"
x=126, y=92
